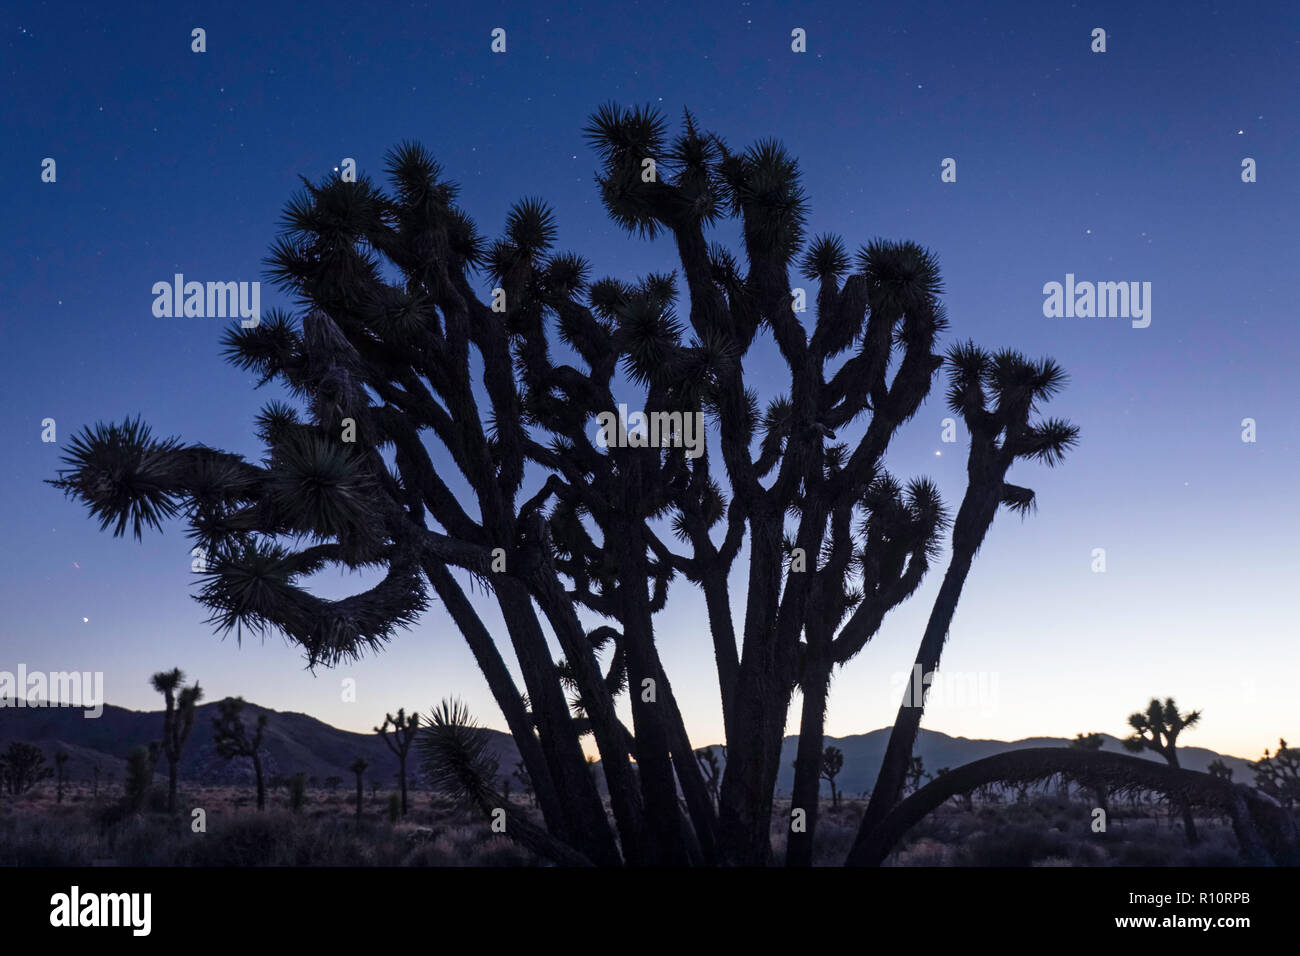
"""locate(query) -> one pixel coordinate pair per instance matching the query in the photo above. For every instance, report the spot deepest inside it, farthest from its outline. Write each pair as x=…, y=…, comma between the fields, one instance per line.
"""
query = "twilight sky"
x=1116, y=166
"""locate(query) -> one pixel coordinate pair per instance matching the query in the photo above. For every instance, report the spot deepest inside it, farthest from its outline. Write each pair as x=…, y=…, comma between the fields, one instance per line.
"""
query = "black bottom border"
x=530, y=906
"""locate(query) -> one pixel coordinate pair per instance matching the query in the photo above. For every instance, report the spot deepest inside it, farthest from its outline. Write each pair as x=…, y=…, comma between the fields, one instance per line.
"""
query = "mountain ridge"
x=300, y=743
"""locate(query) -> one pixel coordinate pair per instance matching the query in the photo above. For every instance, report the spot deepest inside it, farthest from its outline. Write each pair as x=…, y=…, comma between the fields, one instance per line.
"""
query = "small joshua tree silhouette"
x=404, y=731
x=832, y=764
x=1219, y=770
x=232, y=740
x=1158, y=729
x=708, y=761
x=915, y=773
x=178, y=721
x=1278, y=775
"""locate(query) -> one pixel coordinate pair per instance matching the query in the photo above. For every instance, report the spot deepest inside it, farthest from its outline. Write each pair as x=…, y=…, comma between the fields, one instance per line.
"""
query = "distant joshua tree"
x=178, y=721
x=404, y=731
x=832, y=764
x=358, y=767
x=1278, y=775
x=333, y=783
x=1158, y=729
x=95, y=790
x=708, y=761
x=232, y=740
x=915, y=773
x=60, y=759
x=22, y=766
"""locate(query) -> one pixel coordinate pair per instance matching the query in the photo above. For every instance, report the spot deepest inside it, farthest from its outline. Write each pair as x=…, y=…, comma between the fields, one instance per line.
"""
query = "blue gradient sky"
x=1121, y=166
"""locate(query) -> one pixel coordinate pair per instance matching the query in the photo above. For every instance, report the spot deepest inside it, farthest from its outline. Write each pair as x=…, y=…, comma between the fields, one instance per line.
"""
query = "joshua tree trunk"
x=747, y=790
x=893, y=769
x=504, y=691
x=649, y=711
x=808, y=761
x=760, y=701
x=171, y=784
x=588, y=826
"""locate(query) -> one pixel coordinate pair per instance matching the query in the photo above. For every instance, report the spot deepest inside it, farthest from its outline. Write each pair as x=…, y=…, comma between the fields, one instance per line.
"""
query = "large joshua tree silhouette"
x=413, y=377
x=178, y=721
x=1157, y=729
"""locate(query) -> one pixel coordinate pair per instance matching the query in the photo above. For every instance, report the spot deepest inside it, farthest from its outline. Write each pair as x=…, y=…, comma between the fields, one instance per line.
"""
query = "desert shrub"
x=1012, y=845
x=1087, y=853
x=924, y=852
x=436, y=852
x=1215, y=849
x=499, y=851
x=40, y=839
x=245, y=840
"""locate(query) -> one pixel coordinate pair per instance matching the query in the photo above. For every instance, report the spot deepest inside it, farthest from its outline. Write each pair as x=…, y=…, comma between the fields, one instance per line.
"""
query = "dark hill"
x=294, y=743
x=863, y=753
x=298, y=743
